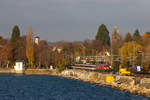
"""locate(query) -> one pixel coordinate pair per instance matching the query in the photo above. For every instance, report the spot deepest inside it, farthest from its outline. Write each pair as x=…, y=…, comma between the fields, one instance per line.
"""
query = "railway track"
x=141, y=75
x=92, y=68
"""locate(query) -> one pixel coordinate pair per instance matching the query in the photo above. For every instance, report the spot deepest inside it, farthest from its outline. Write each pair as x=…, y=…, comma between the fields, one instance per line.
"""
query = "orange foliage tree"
x=29, y=47
x=129, y=52
x=5, y=55
x=146, y=44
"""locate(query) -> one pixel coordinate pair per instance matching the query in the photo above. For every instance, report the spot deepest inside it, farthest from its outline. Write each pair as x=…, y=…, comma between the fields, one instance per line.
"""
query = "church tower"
x=37, y=40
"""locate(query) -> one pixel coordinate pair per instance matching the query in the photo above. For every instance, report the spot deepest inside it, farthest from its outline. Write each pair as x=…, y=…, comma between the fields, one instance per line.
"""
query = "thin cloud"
x=73, y=19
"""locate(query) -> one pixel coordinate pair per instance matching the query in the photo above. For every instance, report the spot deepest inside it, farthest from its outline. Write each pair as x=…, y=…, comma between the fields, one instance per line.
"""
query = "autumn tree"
x=146, y=44
x=78, y=48
x=129, y=52
x=1, y=39
x=43, y=49
x=88, y=49
x=103, y=35
x=67, y=47
x=62, y=64
x=96, y=47
x=93, y=47
x=146, y=39
x=5, y=55
x=29, y=47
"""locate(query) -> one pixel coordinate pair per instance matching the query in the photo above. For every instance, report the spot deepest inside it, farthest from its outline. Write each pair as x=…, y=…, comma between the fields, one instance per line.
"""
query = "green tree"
x=103, y=35
x=137, y=36
x=128, y=37
x=29, y=47
x=14, y=41
x=15, y=34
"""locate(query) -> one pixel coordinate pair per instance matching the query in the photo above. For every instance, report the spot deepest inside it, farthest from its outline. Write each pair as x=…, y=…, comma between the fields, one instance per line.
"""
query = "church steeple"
x=37, y=40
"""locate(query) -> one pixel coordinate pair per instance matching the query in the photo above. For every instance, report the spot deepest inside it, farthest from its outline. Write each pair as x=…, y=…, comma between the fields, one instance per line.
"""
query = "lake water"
x=14, y=87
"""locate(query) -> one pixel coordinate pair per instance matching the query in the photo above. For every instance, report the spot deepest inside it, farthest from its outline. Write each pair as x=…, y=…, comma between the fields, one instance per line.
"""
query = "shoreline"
x=126, y=83
x=109, y=86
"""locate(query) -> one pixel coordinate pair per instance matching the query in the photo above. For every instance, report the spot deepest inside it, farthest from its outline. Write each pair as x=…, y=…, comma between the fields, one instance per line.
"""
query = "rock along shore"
x=134, y=85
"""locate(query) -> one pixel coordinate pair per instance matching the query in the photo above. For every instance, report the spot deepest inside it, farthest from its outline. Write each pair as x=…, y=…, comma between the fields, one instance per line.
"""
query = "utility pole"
x=142, y=62
x=133, y=55
x=142, y=59
x=111, y=57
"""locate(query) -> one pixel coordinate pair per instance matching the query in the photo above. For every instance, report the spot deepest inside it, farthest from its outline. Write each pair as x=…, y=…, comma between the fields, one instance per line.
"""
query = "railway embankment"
x=132, y=84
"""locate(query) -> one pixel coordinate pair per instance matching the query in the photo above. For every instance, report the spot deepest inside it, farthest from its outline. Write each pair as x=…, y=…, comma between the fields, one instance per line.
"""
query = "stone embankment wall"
x=30, y=71
x=7, y=71
x=135, y=85
x=40, y=72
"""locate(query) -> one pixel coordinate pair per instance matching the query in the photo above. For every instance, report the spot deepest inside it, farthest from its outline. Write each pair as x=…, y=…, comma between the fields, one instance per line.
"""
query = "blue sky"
x=71, y=20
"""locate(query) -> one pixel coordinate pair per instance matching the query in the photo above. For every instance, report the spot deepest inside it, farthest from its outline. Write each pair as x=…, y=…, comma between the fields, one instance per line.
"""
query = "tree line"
x=130, y=49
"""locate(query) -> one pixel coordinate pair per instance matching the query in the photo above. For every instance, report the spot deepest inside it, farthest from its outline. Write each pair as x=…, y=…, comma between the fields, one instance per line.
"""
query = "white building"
x=19, y=67
x=58, y=49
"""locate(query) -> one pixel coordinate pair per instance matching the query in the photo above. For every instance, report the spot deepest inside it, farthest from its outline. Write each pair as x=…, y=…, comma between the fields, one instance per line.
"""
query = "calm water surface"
x=13, y=87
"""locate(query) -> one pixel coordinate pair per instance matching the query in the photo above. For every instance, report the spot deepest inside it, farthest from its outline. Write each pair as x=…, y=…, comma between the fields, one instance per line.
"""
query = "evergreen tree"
x=15, y=34
x=103, y=35
x=128, y=37
x=137, y=36
x=14, y=42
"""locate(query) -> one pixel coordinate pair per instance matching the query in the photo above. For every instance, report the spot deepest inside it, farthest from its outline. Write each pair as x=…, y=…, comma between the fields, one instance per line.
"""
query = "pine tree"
x=128, y=37
x=103, y=35
x=29, y=47
x=15, y=34
x=14, y=41
x=137, y=36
